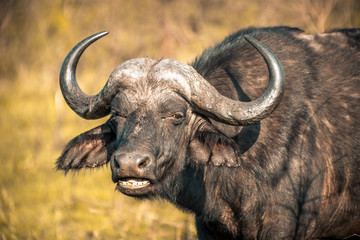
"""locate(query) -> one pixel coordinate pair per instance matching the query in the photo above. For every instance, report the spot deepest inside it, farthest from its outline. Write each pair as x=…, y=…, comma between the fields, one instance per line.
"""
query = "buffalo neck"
x=215, y=193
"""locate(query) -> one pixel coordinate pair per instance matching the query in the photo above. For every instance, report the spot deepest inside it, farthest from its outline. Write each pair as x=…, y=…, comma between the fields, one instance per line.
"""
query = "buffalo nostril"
x=130, y=162
x=143, y=162
x=116, y=165
x=117, y=160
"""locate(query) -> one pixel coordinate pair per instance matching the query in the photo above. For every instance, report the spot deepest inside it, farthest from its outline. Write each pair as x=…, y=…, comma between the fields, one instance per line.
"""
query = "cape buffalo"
x=226, y=139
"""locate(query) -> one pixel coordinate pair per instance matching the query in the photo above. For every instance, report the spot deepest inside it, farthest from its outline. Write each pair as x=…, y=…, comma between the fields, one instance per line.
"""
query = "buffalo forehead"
x=174, y=74
x=163, y=101
x=131, y=73
x=145, y=72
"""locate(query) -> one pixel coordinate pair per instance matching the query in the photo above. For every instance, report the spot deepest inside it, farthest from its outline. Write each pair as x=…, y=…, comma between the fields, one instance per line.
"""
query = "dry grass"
x=37, y=202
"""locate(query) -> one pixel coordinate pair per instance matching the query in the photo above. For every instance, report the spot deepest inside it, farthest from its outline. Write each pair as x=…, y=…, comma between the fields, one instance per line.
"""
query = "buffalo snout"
x=131, y=165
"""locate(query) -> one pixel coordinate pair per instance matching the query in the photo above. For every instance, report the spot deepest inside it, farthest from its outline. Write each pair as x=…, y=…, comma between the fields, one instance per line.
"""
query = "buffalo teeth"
x=132, y=183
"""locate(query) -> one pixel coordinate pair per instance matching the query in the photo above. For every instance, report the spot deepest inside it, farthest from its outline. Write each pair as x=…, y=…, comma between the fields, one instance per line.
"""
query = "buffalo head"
x=160, y=112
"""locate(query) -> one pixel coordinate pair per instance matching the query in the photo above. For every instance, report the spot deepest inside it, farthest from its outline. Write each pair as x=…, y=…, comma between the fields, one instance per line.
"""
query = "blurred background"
x=36, y=202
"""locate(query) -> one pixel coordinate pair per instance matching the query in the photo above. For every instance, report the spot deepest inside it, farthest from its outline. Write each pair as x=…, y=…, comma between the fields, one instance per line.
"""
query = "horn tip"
x=102, y=33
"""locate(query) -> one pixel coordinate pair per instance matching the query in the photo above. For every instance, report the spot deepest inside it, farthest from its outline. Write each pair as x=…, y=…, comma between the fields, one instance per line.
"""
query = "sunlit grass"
x=37, y=202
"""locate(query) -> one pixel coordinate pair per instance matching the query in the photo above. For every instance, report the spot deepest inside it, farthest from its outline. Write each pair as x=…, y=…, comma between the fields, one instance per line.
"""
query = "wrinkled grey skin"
x=175, y=132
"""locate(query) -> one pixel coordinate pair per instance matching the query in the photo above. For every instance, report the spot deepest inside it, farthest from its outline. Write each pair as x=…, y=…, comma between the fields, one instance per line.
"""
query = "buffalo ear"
x=90, y=149
x=214, y=148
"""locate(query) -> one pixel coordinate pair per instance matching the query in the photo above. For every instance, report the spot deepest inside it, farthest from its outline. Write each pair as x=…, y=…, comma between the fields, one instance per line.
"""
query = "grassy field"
x=37, y=202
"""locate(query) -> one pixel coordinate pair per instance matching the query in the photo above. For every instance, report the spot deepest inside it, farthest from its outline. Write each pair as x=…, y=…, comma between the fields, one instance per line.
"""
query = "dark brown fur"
x=294, y=175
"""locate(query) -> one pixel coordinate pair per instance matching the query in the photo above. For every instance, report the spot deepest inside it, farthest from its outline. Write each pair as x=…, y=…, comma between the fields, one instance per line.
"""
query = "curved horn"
x=212, y=104
x=86, y=106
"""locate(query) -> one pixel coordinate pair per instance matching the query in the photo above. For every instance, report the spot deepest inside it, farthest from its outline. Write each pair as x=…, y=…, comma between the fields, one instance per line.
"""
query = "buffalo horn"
x=214, y=105
x=86, y=106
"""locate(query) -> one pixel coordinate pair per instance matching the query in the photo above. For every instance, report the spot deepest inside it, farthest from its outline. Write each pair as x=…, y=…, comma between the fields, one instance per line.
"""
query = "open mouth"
x=133, y=183
x=134, y=186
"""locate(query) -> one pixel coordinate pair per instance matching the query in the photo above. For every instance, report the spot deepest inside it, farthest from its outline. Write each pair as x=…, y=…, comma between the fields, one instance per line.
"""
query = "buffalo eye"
x=176, y=118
